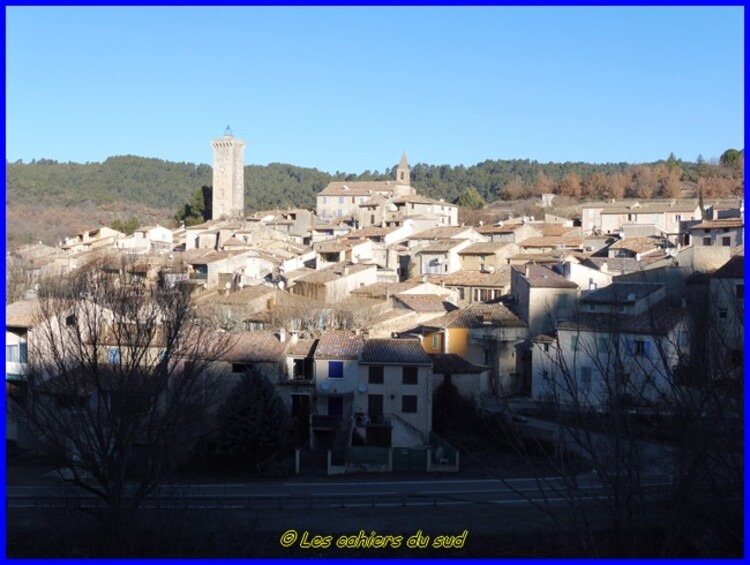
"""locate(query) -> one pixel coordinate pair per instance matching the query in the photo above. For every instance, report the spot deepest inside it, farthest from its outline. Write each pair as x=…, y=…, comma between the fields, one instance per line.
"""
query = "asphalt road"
x=336, y=493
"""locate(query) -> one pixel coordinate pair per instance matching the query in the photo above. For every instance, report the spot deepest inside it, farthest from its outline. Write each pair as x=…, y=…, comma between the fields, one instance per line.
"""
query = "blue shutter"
x=631, y=346
x=646, y=348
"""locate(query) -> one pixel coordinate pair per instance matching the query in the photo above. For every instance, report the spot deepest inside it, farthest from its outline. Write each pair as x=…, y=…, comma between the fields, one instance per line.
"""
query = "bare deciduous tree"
x=654, y=405
x=118, y=388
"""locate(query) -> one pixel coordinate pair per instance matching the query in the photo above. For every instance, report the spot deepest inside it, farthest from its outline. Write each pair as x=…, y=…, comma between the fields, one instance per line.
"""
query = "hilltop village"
x=361, y=311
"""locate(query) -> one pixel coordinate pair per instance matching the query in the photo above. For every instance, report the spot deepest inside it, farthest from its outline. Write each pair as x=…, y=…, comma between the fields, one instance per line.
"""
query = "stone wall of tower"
x=228, y=200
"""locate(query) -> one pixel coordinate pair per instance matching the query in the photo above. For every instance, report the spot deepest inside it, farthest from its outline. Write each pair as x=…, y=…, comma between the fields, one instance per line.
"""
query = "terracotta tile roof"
x=452, y=364
x=303, y=348
x=422, y=302
x=556, y=230
x=620, y=264
x=500, y=278
x=505, y=228
x=392, y=315
x=540, y=276
x=445, y=232
x=551, y=257
x=732, y=269
x=381, y=290
x=22, y=314
x=394, y=352
x=332, y=273
x=657, y=320
x=234, y=242
x=356, y=188
x=370, y=231
x=717, y=224
x=651, y=207
x=478, y=315
x=205, y=256
x=442, y=246
x=637, y=244
x=254, y=347
x=483, y=248
x=334, y=245
x=416, y=199
x=552, y=241
x=339, y=344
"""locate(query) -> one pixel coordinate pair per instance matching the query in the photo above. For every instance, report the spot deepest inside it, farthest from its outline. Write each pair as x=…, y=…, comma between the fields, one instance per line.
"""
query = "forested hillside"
x=46, y=200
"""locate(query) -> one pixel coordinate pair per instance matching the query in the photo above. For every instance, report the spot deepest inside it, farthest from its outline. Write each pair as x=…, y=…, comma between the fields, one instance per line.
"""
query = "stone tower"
x=228, y=199
x=402, y=171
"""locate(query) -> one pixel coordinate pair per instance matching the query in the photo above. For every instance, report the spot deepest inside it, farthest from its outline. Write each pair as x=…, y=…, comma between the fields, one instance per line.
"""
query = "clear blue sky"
x=350, y=88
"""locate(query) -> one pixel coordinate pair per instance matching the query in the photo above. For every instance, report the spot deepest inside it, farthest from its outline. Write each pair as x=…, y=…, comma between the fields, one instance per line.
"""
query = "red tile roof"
x=339, y=344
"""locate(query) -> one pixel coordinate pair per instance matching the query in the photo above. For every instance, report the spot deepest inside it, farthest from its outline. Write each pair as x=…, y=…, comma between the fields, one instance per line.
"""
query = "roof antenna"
x=228, y=131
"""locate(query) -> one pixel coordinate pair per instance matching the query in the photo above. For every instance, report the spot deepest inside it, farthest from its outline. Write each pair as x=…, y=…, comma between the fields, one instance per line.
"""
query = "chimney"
x=604, y=268
x=282, y=335
x=528, y=265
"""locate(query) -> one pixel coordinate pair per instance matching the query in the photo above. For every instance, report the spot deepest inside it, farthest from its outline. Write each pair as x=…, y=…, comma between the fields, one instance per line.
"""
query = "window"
x=409, y=404
x=335, y=369
x=435, y=341
x=726, y=241
x=586, y=377
x=241, y=367
x=461, y=294
x=339, y=212
x=545, y=375
x=298, y=371
x=11, y=353
x=574, y=343
x=678, y=218
x=375, y=376
x=341, y=199
x=324, y=202
x=409, y=375
x=739, y=291
x=602, y=345
x=546, y=347
x=70, y=320
x=374, y=407
x=723, y=313
x=113, y=355
x=591, y=307
x=707, y=241
x=639, y=347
